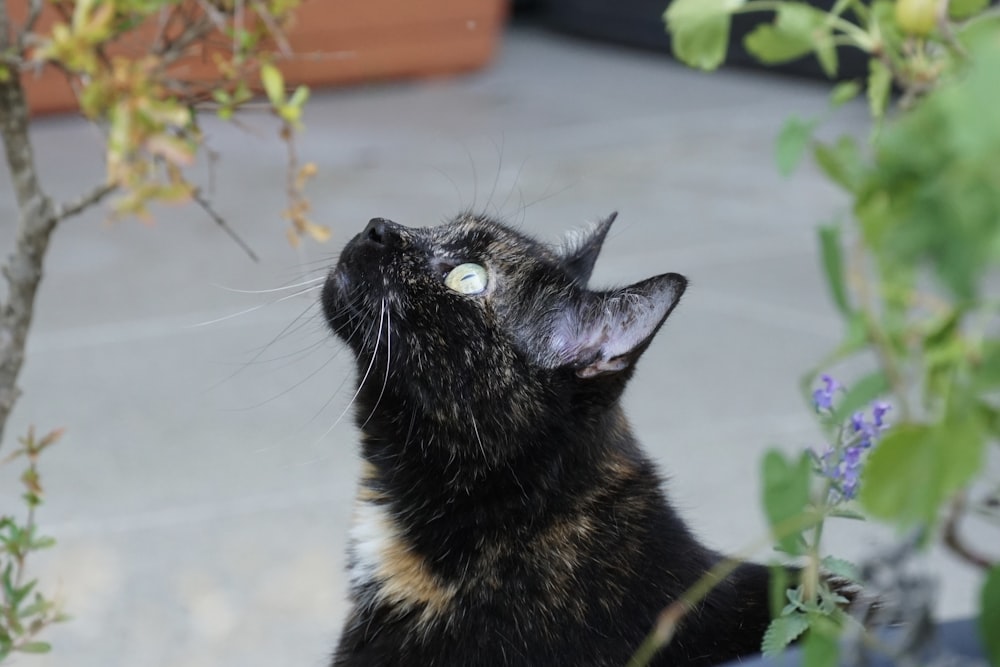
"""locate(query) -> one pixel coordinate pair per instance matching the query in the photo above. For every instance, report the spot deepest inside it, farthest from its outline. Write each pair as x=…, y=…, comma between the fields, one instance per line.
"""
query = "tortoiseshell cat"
x=506, y=514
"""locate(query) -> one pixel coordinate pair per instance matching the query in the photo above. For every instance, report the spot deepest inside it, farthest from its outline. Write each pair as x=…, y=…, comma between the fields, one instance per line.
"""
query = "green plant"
x=130, y=63
x=908, y=271
x=24, y=610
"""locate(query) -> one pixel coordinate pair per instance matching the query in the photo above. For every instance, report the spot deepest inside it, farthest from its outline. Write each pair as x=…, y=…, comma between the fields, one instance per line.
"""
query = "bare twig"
x=177, y=48
x=954, y=541
x=274, y=29
x=34, y=11
x=82, y=203
x=4, y=28
x=221, y=222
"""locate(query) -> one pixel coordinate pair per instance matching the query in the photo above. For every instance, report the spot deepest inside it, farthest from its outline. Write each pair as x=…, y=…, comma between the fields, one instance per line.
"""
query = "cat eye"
x=467, y=279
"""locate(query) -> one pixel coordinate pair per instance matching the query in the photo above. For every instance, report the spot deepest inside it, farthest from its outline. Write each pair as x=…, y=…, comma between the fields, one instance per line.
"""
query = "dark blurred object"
x=951, y=644
x=640, y=23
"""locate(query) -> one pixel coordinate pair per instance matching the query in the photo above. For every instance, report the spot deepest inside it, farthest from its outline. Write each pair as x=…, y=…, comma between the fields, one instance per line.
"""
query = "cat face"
x=473, y=317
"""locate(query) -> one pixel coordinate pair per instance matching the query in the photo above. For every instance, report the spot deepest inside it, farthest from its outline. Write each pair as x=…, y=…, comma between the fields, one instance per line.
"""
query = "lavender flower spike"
x=823, y=397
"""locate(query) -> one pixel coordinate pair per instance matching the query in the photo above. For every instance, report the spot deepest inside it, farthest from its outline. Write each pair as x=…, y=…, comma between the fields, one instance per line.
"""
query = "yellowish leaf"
x=319, y=233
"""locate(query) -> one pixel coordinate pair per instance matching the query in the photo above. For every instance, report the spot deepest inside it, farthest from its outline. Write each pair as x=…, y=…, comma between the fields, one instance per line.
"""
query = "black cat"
x=506, y=514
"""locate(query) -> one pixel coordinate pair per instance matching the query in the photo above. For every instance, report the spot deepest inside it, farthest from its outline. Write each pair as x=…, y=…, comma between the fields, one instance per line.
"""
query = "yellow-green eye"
x=467, y=279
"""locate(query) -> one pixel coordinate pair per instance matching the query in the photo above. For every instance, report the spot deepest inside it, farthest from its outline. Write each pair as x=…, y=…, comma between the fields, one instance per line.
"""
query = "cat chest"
x=385, y=569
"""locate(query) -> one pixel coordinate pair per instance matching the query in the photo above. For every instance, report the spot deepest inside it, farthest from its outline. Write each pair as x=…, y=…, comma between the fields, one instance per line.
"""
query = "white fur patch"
x=384, y=567
x=371, y=535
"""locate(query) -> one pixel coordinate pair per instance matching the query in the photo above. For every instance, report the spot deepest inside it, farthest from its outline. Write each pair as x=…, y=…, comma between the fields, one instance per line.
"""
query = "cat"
x=506, y=514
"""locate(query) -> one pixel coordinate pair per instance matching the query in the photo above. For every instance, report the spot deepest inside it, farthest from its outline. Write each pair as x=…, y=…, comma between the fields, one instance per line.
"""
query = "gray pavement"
x=202, y=493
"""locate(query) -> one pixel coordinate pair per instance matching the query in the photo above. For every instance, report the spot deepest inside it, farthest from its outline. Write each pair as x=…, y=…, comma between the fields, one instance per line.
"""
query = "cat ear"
x=609, y=332
x=581, y=250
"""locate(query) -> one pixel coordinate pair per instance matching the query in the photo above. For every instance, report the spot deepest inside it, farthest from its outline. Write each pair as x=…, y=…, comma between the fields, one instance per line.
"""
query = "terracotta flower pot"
x=333, y=41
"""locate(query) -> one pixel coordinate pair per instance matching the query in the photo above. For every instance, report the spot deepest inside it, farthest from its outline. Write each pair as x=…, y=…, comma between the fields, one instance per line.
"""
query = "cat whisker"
x=364, y=379
x=311, y=281
x=308, y=377
x=286, y=330
x=496, y=177
x=475, y=429
x=388, y=360
x=333, y=395
x=254, y=308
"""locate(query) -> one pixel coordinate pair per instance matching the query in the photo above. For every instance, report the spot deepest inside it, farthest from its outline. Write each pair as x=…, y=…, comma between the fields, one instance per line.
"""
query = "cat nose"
x=382, y=232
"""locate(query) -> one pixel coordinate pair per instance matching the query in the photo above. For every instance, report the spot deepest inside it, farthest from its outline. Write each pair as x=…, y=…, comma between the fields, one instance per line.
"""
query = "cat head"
x=475, y=318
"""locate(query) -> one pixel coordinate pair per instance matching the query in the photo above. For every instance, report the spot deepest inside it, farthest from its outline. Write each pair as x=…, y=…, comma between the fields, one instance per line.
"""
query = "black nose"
x=381, y=232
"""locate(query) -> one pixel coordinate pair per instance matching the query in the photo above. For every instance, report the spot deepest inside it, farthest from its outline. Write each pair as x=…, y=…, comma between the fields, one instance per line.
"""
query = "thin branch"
x=954, y=541
x=177, y=48
x=82, y=203
x=34, y=11
x=272, y=27
x=4, y=27
x=221, y=222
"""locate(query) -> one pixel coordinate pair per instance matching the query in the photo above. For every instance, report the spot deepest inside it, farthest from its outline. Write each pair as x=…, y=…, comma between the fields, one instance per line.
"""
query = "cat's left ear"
x=608, y=332
x=580, y=252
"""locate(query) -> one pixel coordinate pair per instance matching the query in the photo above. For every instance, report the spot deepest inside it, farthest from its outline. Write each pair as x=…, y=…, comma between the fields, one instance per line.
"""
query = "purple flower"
x=878, y=413
x=843, y=463
x=823, y=397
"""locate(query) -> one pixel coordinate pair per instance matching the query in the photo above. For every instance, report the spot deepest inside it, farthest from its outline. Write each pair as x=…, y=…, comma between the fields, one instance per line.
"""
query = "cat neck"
x=414, y=461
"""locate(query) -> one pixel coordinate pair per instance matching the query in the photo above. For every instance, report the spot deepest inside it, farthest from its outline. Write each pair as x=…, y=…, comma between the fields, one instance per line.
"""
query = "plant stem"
x=668, y=619
x=953, y=541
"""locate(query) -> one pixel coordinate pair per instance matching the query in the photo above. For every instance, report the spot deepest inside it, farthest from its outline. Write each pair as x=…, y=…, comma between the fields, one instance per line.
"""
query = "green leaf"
x=770, y=46
x=844, y=92
x=42, y=543
x=699, y=30
x=786, y=495
x=792, y=142
x=841, y=568
x=826, y=54
x=820, y=648
x=274, y=84
x=916, y=468
x=859, y=394
x=35, y=647
x=879, y=87
x=833, y=266
x=299, y=97
x=798, y=29
x=841, y=162
x=782, y=631
x=963, y=9
x=986, y=373
x=989, y=615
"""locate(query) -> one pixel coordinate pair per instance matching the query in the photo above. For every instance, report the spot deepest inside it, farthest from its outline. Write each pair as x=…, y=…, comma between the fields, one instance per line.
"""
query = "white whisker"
x=364, y=379
x=269, y=291
x=250, y=310
x=388, y=361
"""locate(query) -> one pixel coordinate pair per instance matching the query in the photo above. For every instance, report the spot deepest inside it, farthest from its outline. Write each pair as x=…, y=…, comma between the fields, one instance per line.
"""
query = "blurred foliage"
x=144, y=69
x=24, y=610
x=912, y=272
x=142, y=72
